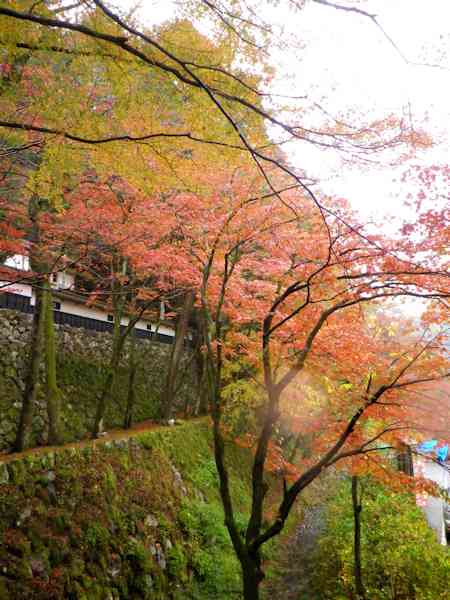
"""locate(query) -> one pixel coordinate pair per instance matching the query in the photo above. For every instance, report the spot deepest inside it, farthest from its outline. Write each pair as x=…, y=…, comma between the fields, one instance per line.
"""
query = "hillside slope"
x=135, y=517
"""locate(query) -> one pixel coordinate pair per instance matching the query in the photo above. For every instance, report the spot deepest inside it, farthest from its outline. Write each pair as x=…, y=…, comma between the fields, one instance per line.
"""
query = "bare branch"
x=374, y=18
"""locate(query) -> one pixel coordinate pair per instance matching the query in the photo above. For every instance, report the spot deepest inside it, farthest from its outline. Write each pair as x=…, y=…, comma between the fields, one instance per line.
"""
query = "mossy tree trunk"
x=248, y=556
x=37, y=333
x=53, y=393
x=201, y=404
x=357, y=509
x=168, y=396
x=32, y=376
x=120, y=295
x=114, y=361
x=132, y=368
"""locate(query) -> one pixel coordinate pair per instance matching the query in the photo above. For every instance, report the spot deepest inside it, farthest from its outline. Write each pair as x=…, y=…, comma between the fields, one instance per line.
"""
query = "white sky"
x=347, y=65
x=353, y=64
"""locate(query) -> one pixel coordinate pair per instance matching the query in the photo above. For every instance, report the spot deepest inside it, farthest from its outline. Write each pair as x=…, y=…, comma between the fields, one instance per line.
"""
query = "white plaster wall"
x=18, y=261
x=142, y=324
x=434, y=512
x=16, y=288
x=65, y=281
x=79, y=309
x=437, y=473
x=433, y=507
x=74, y=308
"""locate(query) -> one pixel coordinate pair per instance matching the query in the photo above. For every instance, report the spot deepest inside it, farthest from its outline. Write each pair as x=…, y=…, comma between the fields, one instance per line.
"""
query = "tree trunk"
x=201, y=403
x=357, y=508
x=52, y=392
x=118, y=343
x=167, y=400
x=32, y=376
x=187, y=407
x=119, y=300
x=251, y=579
x=36, y=338
x=128, y=420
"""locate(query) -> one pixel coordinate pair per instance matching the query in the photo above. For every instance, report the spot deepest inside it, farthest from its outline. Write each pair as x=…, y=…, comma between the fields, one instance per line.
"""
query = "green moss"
x=17, y=472
x=62, y=523
x=110, y=482
x=138, y=555
x=96, y=536
x=4, y=593
x=76, y=567
x=177, y=563
x=124, y=460
x=113, y=507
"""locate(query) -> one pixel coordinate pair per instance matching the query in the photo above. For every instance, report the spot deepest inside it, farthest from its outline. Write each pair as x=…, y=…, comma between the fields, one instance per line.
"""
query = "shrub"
x=401, y=558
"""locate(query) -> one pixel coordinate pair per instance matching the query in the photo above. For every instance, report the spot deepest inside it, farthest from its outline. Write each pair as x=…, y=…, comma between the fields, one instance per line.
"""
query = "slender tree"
x=132, y=369
x=312, y=301
x=357, y=508
x=181, y=332
x=53, y=393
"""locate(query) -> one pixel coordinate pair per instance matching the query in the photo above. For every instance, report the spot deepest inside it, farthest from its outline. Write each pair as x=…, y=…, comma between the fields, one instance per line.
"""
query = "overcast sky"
x=354, y=64
x=347, y=64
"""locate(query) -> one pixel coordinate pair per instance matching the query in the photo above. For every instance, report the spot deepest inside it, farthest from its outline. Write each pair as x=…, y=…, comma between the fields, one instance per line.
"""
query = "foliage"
x=242, y=397
x=212, y=555
x=401, y=558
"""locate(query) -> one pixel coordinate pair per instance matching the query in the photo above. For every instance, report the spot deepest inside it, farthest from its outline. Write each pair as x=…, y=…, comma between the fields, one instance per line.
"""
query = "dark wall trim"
x=405, y=461
x=15, y=302
x=22, y=304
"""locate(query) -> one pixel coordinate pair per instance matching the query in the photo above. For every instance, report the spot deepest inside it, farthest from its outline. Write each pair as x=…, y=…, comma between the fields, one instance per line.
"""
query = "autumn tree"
x=119, y=242
x=84, y=86
x=304, y=302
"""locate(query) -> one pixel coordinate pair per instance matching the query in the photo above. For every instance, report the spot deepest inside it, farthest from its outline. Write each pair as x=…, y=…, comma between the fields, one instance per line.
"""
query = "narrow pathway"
x=296, y=564
x=114, y=434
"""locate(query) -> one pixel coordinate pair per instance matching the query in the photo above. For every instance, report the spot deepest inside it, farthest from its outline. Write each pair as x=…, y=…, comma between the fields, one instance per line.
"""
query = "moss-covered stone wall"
x=128, y=518
x=82, y=356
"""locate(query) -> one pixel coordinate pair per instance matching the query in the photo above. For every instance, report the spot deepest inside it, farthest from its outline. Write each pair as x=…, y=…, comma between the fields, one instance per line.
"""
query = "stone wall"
x=129, y=518
x=82, y=356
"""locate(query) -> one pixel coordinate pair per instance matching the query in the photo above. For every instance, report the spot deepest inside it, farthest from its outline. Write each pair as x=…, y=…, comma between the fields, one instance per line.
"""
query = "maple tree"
x=122, y=241
x=305, y=310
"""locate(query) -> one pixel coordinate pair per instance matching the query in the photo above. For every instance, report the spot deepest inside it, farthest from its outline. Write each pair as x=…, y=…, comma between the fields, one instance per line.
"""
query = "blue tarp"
x=427, y=446
x=442, y=453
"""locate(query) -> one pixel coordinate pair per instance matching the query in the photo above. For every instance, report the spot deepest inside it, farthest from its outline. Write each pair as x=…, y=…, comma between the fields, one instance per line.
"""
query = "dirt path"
x=114, y=434
x=296, y=564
